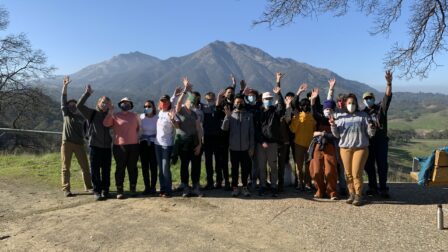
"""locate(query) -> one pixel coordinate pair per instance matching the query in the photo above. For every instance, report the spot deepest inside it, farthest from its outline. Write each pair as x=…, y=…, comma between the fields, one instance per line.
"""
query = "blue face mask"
x=148, y=111
x=267, y=103
x=369, y=102
x=251, y=99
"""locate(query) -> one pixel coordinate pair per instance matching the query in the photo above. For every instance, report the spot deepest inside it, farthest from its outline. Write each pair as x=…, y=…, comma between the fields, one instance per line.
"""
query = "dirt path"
x=39, y=218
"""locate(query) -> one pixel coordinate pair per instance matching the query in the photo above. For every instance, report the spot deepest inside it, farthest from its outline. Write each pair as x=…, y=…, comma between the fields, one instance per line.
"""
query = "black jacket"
x=267, y=123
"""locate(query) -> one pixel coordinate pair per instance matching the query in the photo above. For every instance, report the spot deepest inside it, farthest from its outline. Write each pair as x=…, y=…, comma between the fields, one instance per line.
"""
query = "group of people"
x=331, y=142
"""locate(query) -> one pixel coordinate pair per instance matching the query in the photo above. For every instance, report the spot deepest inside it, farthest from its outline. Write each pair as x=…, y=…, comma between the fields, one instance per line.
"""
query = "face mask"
x=327, y=113
x=369, y=102
x=211, y=103
x=239, y=106
x=230, y=97
x=305, y=109
x=148, y=111
x=125, y=106
x=251, y=99
x=103, y=106
x=351, y=108
x=267, y=103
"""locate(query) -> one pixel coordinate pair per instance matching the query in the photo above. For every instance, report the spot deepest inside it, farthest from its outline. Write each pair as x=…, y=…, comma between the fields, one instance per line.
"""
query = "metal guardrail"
x=29, y=131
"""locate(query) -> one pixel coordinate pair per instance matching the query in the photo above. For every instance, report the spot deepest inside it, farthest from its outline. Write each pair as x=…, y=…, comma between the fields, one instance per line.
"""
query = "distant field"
x=46, y=168
x=430, y=121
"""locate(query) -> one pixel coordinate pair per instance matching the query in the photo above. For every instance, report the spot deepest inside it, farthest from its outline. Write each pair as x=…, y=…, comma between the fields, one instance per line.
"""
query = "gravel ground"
x=39, y=218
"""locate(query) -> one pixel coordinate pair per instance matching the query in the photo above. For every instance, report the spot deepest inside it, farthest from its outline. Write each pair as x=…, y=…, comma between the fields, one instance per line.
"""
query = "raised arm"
x=280, y=107
x=187, y=87
x=278, y=78
x=313, y=97
x=64, y=95
x=85, y=111
x=232, y=77
x=331, y=85
x=389, y=83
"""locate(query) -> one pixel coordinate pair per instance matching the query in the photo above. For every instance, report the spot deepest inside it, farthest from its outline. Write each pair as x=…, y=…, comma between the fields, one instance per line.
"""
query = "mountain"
x=141, y=77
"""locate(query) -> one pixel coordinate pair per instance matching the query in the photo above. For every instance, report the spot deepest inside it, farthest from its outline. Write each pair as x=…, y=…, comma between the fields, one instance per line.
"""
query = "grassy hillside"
x=426, y=121
x=46, y=168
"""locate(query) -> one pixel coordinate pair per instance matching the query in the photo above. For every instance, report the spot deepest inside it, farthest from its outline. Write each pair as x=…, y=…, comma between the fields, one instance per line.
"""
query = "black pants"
x=237, y=158
x=187, y=156
x=283, y=158
x=126, y=156
x=378, y=151
x=214, y=147
x=100, y=162
x=148, y=161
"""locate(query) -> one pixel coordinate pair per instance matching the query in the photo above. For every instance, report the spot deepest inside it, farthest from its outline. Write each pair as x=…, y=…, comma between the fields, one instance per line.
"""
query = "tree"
x=426, y=26
x=19, y=65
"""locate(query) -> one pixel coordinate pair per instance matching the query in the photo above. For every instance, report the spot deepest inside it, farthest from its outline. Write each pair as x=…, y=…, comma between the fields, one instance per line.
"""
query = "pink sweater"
x=126, y=127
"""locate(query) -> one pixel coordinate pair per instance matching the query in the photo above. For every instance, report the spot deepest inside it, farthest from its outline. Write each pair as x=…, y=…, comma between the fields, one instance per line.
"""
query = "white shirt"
x=165, y=130
x=148, y=126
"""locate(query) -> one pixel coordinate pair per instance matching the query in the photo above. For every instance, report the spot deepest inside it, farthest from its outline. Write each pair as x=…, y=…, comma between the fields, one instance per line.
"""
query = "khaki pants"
x=67, y=150
x=354, y=161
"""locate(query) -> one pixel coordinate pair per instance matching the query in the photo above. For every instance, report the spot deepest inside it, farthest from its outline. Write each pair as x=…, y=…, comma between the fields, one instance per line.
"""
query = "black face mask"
x=239, y=106
x=230, y=97
x=305, y=108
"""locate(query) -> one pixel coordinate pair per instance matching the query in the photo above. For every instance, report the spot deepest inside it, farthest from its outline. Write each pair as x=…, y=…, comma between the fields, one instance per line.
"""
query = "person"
x=303, y=126
x=353, y=128
x=340, y=103
x=214, y=146
x=379, y=144
x=165, y=132
x=268, y=137
x=72, y=142
x=126, y=126
x=323, y=165
x=148, y=122
x=189, y=135
x=100, y=143
x=253, y=105
x=240, y=125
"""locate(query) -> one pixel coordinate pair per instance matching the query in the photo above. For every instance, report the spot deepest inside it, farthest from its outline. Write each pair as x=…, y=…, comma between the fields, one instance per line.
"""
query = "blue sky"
x=74, y=34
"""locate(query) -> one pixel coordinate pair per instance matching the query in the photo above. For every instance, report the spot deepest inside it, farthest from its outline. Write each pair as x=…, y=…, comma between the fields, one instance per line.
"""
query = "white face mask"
x=327, y=113
x=351, y=108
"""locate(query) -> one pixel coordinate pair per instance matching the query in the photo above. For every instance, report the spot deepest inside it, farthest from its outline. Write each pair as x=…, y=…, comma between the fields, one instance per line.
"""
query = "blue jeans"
x=163, y=155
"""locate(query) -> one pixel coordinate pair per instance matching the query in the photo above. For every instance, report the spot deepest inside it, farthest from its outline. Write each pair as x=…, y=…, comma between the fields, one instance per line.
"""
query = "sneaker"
x=181, y=187
x=350, y=199
x=68, y=194
x=97, y=196
x=90, y=191
x=317, y=196
x=274, y=192
x=197, y=191
x=358, y=200
x=246, y=192
x=371, y=192
x=120, y=193
x=333, y=198
x=235, y=192
x=105, y=194
x=384, y=193
x=165, y=195
x=133, y=193
x=186, y=192
x=261, y=191
x=218, y=185
x=146, y=192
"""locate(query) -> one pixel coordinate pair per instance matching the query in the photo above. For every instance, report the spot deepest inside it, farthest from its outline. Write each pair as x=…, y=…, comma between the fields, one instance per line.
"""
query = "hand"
x=187, y=84
x=303, y=87
x=331, y=121
x=389, y=77
x=243, y=85
x=178, y=91
x=314, y=94
x=332, y=83
x=67, y=80
x=89, y=89
x=110, y=108
x=276, y=90
x=318, y=133
x=172, y=114
x=279, y=76
x=264, y=145
x=197, y=149
x=232, y=77
x=227, y=111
